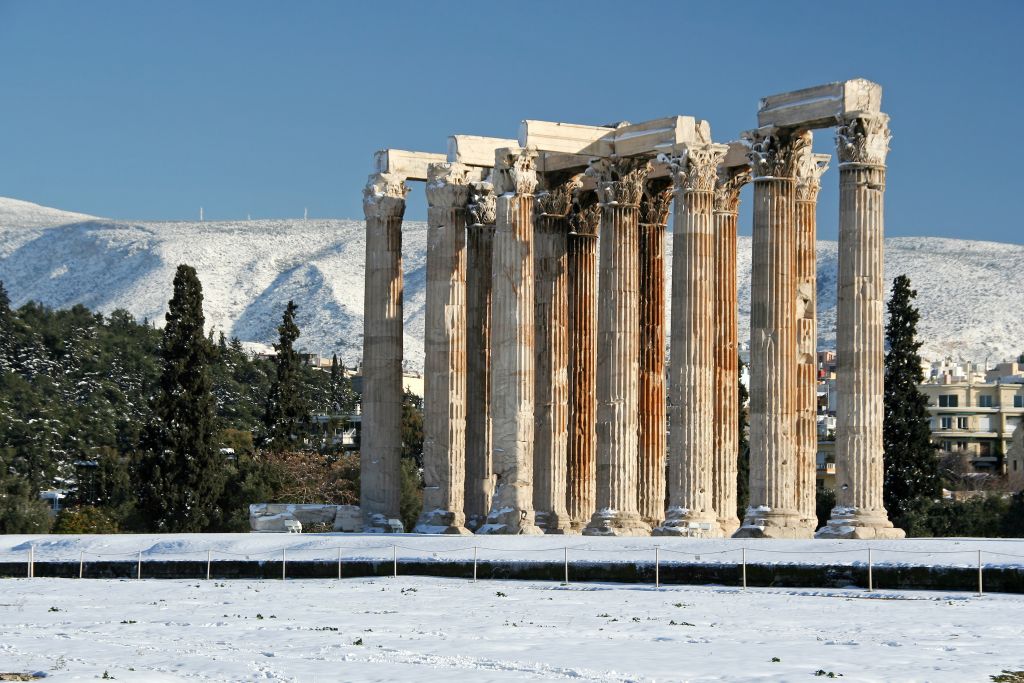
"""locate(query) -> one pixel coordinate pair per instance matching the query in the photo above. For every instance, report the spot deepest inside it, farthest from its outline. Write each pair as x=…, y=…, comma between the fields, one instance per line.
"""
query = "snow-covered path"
x=422, y=629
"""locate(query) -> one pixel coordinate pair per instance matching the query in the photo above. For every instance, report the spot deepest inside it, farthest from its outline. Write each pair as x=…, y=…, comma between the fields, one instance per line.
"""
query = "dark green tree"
x=184, y=471
x=911, y=468
x=742, y=451
x=287, y=409
x=412, y=428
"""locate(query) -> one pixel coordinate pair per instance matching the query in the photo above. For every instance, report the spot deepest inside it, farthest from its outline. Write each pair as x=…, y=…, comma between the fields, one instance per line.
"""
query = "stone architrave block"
x=820, y=106
x=405, y=164
x=475, y=150
x=660, y=136
x=566, y=138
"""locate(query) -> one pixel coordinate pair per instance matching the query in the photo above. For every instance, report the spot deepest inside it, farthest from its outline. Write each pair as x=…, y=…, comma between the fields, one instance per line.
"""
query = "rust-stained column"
x=551, y=317
x=809, y=169
x=726, y=402
x=444, y=377
x=772, y=512
x=512, y=346
x=582, y=458
x=691, y=382
x=479, y=245
x=620, y=183
x=381, y=441
x=655, y=205
x=862, y=144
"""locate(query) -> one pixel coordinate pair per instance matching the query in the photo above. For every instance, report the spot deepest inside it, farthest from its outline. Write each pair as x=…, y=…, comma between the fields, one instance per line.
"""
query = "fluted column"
x=479, y=245
x=444, y=377
x=726, y=402
x=691, y=381
x=655, y=205
x=809, y=169
x=772, y=512
x=582, y=457
x=862, y=144
x=512, y=347
x=551, y=317
x=620, y=183
x=381, y=440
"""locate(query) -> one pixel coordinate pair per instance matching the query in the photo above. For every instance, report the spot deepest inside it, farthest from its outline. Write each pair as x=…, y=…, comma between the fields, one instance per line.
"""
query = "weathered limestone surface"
x=582, y=452
x=691, y=382
x=620, y=184
x=725, y=424
x=479, y=246
x=772, y=512
x=551, y=318
x=809, y=169
x=379, y=490
x=819, y=106
x=512, y=346
x=444, y=401
x=655, y=205
x=862, y=144
x=404, y=164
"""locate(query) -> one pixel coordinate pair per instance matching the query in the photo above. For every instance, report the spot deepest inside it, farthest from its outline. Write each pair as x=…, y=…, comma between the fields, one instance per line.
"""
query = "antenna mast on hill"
x=200, y=214
x=305, y=215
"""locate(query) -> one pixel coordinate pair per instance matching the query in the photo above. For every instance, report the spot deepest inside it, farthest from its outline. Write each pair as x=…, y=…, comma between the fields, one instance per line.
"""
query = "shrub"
x=85, y=520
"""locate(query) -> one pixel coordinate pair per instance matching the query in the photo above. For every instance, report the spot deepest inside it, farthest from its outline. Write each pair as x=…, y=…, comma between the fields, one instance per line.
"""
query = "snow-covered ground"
x=969, y=292
x=955, y=552
x=416, y=629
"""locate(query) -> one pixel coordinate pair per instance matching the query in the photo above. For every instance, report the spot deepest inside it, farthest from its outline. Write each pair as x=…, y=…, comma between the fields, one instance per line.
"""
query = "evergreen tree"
x=911, y=468
x=742, y=451
x=287, y=409
x=184, y=473
x=6, y=331
x=336, y=373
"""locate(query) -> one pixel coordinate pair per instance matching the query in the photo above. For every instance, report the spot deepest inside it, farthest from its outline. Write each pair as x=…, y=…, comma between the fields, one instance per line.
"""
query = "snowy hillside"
x=970, y=293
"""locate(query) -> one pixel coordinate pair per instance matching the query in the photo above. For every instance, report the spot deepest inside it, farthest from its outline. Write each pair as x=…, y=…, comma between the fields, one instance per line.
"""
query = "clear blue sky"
x=152, y=109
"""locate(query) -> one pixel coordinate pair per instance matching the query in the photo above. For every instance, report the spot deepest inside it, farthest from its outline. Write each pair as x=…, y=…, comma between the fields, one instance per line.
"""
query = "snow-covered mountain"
x=970, y=293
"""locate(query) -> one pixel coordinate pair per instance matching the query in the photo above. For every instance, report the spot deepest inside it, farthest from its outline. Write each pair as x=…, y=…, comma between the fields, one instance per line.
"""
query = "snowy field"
x=418, y=629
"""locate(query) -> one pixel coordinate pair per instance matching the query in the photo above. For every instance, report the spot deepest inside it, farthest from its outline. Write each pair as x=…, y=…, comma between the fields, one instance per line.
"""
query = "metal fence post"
x=980, y=584
x=209, y=554
x=744, y=561
x=284, y=562
x=394, y=560
x=31, y=570
x=474, y=564
x=565, y=555
x=657, y=567
x=339, y=562
x=871, y=581
x=81, y=563
x=138, y=570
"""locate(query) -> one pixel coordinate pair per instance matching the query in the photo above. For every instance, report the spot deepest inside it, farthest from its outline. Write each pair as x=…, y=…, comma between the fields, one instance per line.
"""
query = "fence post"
x=284, y=562
x=743, y=559
x=138, y=570
x=31, y=570
x=394, y=560
x=565, y=554
x=980, y=585
x=871, y=581
x=209, y=554
x=339, y=562
x=657, y=567
x=474, y=564
x=81, y=563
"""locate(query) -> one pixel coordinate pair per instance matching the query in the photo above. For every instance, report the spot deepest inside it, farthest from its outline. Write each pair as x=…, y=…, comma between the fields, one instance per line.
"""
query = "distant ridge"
x=971, y=294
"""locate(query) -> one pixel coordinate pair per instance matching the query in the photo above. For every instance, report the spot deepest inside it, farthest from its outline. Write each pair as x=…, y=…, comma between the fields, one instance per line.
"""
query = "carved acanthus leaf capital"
x=557, y=201
x=774, y=152
x=809, y=169
x=482, y=205
x=656, y=204
x=516, y=172
x=696, y=169
x=586, y=220
x=448, y=185
x=384, y=196
x=619, y=180
x=727, y=188
x=863, y=140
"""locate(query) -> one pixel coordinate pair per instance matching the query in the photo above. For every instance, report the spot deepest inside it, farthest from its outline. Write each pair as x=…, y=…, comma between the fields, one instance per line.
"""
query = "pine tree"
x=184, y=473
x=911, y=468
x=286, y=408
x=6, y=331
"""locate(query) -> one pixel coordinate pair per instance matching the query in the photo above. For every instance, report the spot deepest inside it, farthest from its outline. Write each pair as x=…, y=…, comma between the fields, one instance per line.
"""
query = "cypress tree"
x=336, y=372
x=286, y=407
x=743, y=449
x=911, y=468
x=184, y=474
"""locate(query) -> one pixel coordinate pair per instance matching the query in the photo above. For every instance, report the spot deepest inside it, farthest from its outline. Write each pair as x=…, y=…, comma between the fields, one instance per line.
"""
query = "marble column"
x=479, y=245
x=772, y=512
x=655, y=205
x=381, y=440
x=551, y=318
x=619, y=185
x=862, y=144
x=582, y=458
x=726, y=402
x=444, y=377
x=512, y=346
x=691, y=380
x=809, y=169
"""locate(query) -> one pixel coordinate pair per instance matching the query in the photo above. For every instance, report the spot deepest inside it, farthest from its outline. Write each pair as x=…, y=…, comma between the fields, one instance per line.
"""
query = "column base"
x=380, y=524
x=616, y=523
x=474, y=522
x=683, y=522
x=859, y=524
x=554, y=523
x=763, y=522
x=510, y=522
x=441, y=522
x=729, y=525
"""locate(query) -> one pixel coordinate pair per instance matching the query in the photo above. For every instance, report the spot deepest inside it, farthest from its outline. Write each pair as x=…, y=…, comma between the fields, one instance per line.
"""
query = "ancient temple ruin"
x=550, y=403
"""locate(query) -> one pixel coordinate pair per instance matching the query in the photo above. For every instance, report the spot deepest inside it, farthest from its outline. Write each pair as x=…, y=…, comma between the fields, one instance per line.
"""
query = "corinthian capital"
x=619, y=180
x=384, y=196
x=482, y=204
x=774, y=151
x=696, y=169
x=863, y=140
x=516, y=171
x=447, y=185
x=585, y=221
x=727, y=188
x=558, y=200
x=809, y=169
x=656, y=203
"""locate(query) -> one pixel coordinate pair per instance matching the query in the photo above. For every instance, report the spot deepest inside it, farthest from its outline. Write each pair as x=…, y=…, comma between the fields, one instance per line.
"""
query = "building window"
x=948, y=400
x=946, y=422
x=984, y=401
x=1018, y=401
x=961, y=423
x=1014, y=465
x=947, y=445
x=961, y=445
